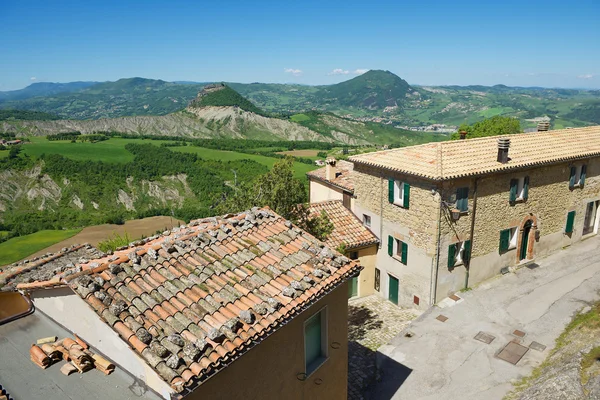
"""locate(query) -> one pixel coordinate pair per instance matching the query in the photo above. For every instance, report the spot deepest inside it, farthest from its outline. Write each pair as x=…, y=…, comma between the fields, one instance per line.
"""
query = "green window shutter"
x=391, y=185
x=467, y=252
x=504, y=240
x=390, y=246
x=572, y=178
x=570, y=222
x=406, y=188
x=526, y=188
x=312, y=342
x=451, y=255
x=513, y=190
x=583, y=173
x=404, y=258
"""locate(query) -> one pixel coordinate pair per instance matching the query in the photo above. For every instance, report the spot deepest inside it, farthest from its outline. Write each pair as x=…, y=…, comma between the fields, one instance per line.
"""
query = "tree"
x=277, y=189
x=318, y=225
x=494, y=126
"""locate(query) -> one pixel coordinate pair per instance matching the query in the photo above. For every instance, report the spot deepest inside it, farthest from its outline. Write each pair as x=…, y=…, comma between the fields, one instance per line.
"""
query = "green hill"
x=220, y=95
x=374, y=89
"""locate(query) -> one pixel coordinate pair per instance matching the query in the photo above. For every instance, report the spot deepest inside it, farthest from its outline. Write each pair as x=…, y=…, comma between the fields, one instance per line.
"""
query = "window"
x=508, y=239
x=462, y=199
x=519, y=189
x=459, y=253
x=398, y=249
x=353, y=255
x=398, y=193
x=315, y=341
x=577, y=178
x=590, y=222
x=367, y=220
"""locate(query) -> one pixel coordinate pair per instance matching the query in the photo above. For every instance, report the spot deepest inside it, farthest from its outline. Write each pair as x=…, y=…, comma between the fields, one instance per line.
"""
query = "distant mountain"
x=372, y=90
x=44, y=89
x=376, y=96
x=125, y=97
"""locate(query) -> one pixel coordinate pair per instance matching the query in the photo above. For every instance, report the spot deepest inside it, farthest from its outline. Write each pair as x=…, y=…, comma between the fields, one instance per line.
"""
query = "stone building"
x=239, y=306
x=452, y=214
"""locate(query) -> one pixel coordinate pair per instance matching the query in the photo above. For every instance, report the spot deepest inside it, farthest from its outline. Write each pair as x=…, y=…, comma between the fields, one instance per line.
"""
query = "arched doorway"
x=526, y=238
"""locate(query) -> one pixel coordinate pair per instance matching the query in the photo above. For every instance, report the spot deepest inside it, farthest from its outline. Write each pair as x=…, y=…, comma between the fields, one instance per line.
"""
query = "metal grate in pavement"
x=512, y=352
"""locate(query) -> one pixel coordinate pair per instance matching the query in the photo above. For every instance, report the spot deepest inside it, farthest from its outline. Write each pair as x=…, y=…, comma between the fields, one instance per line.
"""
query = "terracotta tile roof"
x=191, y=301
x=344, y=168
x=48, y=270
x=460, y=158
x=347, y=228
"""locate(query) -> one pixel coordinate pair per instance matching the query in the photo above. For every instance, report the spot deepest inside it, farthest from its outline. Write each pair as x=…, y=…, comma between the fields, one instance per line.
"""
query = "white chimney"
x=330, y=169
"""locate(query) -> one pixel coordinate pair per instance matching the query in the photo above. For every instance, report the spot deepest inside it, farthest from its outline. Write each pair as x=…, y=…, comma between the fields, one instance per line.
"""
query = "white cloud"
x=339, y=71
x=586, y=76
x=360, y=71
x=293, y=71
x=33, y=78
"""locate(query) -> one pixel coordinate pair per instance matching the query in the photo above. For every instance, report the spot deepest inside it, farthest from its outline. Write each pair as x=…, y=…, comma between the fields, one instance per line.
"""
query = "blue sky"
x=526, y=43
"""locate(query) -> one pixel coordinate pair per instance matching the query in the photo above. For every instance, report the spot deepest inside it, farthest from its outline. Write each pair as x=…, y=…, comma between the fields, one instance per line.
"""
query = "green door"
x=525, y=240
x=353, y=287
x=393, y=290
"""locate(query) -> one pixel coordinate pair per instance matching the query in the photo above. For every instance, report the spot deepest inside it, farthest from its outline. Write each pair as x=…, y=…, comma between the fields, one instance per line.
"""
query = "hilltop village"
x=422, y=239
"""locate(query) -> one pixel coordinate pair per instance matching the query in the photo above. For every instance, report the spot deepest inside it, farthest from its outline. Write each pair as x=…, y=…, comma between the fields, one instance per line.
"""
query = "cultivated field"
x=52, y=241
x=21, y=247
x=301, y=153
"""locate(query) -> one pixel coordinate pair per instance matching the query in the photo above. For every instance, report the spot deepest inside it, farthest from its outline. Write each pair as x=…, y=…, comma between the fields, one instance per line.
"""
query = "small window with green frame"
x=315, y=341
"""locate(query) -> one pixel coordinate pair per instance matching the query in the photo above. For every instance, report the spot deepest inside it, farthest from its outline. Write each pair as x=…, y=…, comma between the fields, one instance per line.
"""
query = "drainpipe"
x=381, y=212
x=435, y=262
x=471, y=238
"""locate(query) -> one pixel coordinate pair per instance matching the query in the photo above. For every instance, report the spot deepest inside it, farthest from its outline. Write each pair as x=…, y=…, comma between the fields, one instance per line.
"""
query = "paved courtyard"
x=372, y=322
x=442, y=359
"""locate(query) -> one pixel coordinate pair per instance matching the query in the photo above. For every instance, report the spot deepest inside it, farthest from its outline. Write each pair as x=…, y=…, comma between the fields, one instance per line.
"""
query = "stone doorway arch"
x=526, y=239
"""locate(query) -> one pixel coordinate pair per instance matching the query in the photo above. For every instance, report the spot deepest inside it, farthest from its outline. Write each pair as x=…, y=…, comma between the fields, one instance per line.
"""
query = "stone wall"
x=416, y=226
x=548, y=204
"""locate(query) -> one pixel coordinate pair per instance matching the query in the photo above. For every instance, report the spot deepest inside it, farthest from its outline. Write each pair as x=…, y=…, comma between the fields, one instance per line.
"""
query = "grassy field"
x=113, y=150
x=300, y=169
x=20, y=247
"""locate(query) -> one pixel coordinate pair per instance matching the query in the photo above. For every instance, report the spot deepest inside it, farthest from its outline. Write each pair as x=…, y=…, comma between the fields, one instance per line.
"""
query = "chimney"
x=330, y=169
x=463, y=135
x=503, y=145
x=543, y=126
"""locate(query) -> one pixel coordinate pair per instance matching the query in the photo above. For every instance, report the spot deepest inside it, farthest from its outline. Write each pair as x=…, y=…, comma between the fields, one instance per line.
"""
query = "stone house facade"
x=450, y=215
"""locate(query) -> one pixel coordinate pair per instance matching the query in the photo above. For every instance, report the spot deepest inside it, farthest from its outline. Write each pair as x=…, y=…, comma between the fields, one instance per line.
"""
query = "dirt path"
x=95, y=234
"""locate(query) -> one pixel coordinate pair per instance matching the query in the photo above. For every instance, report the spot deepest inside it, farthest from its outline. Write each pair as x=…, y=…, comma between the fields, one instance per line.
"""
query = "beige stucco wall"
x=320, y=191
x=416, y=226
x=70, y=311
x=368, y=259
x=270, y=369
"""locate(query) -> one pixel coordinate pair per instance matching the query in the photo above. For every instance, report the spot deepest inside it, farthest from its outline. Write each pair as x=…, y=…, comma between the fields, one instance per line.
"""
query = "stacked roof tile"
x=347, y=229
x=461, y=158
x=342, y=178
x=193, y=300
x=48, y=270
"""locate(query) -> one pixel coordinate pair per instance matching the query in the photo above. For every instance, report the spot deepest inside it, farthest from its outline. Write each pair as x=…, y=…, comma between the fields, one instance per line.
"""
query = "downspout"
x=382, y=184
x=435, y=262
x=471, y=238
